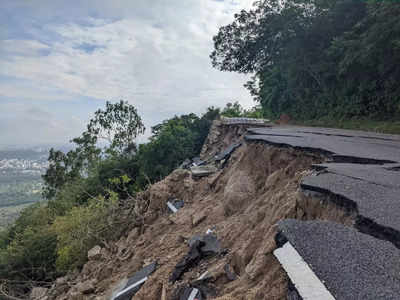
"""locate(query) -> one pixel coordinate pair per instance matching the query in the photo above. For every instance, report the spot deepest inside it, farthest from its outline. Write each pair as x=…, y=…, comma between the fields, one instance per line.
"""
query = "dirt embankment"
x=258, y=186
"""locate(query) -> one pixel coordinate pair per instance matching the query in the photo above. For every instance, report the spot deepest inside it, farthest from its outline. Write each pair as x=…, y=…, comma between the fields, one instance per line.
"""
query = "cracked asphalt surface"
x=341, y=145
x=376, y=202
x=363, y=173
x=352, y=265
x=374, y=189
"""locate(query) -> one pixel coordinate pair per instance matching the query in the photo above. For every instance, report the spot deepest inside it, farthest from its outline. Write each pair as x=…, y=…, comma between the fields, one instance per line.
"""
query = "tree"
x=232, y=110
x=284, y=44
x=367, y=59
x=119, y=124
x=172, y=142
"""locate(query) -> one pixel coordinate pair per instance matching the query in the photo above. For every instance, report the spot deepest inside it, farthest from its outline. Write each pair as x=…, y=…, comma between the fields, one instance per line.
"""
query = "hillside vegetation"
x=317, y=59
x=91, y=192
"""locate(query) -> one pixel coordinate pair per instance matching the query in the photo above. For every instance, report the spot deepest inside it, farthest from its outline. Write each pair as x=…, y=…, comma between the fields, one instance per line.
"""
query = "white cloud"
x=153, y=54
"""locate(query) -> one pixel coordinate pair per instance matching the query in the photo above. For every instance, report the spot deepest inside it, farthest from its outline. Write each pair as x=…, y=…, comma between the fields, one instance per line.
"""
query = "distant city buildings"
x=34, y=167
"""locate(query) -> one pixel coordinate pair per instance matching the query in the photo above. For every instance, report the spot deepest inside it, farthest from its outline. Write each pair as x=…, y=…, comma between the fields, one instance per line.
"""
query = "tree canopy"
x=312, y=58
x=117, y=125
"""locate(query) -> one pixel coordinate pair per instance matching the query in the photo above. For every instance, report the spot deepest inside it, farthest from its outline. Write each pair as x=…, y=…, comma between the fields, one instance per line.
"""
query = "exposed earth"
x=344, y=184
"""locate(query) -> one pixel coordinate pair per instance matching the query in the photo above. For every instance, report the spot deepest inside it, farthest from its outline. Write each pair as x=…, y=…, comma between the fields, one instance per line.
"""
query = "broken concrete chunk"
x=187, y=293
x=227, y=152
x=175, y=205
x=200, y=247
x=178, y=203
x=195, y=290
x=172, y=208
x=191, y=259
x=94, y=253
x=135, y=282
x=186, y=164
x=212, y=245
x=202, y=276
x=197, y=161
x=202, y=171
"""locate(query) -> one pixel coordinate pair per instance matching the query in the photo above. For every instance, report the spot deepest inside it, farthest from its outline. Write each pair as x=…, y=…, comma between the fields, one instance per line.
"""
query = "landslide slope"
x=258, y=186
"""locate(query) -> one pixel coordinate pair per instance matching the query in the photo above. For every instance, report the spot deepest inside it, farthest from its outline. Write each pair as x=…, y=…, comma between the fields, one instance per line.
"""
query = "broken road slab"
x=211, y=244
x=227, y=152
x=135, y=282
x=197, y=161
x=352, y=265
x=385, y=175
x=199, y=248
x=377, y=206
x=340, y=145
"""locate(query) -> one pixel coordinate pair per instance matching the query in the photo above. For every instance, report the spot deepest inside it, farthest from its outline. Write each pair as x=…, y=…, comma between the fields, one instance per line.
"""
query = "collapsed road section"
x=360, y=176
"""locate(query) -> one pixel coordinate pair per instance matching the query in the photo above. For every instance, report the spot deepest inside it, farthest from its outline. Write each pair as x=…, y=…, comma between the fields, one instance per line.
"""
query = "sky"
x=61, y=60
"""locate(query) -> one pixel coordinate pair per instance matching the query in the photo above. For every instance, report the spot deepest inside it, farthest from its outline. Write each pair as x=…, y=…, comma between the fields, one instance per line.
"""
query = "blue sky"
x=61, y=60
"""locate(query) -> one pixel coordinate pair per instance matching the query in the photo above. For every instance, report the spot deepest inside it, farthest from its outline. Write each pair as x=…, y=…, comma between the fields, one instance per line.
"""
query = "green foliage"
x=232, y=110
x=83, y=227
x=316, y=58
x=172, y=142
x=235, y=110
x=119, y=124
x=28, y=248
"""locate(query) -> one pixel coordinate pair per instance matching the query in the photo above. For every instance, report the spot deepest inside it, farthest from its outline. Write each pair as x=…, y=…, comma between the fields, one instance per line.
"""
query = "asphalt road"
x=369, y=181
x=352, y=265
x=340, y=145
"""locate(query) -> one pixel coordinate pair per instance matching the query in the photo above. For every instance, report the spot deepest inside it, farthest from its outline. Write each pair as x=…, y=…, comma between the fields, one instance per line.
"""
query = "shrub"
x=82, y=228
